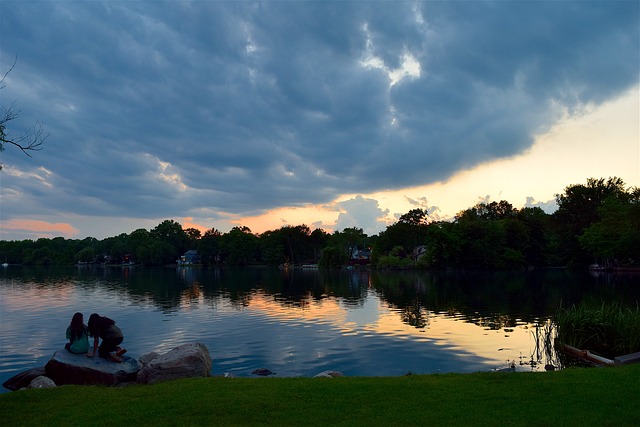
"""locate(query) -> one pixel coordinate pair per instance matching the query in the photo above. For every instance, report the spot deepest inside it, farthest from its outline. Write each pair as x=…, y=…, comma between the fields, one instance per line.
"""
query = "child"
x=77, y=335
x=105, y=328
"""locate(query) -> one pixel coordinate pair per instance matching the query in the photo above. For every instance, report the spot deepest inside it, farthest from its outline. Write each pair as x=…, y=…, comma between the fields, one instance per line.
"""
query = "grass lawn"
x=576, y=396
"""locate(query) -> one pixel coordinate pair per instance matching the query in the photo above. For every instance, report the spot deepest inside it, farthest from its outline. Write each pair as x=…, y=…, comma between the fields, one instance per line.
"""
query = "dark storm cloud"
x=163, y=108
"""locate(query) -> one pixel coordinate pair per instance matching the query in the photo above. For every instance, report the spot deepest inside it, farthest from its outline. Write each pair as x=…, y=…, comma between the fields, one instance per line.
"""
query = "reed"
x=609, y=329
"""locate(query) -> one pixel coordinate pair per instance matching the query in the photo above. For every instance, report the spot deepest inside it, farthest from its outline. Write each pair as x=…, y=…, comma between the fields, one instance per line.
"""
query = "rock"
x=329, y=374
x=146, y=358
x=23, y=379
x=263, y=371
x=68, y=368
x=42, y=382
x=185, y=361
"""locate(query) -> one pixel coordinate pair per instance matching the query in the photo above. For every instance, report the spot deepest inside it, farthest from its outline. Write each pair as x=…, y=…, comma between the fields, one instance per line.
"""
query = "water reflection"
x=301, y=322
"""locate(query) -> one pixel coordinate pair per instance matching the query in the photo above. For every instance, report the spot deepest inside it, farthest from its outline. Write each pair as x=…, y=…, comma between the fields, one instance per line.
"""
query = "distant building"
x=128, y=259
x=360, y=256
x=190, y=257
x=361, y=253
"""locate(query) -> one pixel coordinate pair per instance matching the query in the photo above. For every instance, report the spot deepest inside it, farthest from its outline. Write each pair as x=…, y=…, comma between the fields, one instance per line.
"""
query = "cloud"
x=433, y=212
x=38, y=229
x=360, y=212
x=167, y=110
x=549, y=206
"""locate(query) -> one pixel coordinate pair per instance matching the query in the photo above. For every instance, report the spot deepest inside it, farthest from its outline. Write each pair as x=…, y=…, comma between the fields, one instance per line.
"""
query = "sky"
x=331, y=114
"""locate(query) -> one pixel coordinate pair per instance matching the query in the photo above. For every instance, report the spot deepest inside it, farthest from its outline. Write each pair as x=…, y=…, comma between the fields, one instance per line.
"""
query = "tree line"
x=596, y=222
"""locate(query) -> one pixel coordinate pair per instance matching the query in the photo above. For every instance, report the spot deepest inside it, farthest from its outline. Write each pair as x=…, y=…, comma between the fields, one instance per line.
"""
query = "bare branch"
x=31, y=140
x=2, y=85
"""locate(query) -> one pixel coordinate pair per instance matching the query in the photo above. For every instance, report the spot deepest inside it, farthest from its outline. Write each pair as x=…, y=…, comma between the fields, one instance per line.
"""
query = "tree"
x=409, y=232
x=443, y=246
x=28, y=141
x=193, y=233
x=414, y=217
x=209, y=246
x=616, y=238
x=239, y=246
x=171, y=232
x=352, y=238
x=86, y=254
x=578, y=209
x=319, y=239
x=333, y=256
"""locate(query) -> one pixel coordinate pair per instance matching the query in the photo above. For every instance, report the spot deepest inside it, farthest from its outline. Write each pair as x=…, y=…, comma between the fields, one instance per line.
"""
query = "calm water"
x=301, y=322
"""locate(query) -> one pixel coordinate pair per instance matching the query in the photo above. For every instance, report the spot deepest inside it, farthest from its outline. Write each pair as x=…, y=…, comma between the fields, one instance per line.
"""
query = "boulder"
x=146, y=358
x=185, y=361
x=23, y=379
x=68, y=368
x=42, y=382
x=329, y=374
x=263, y=372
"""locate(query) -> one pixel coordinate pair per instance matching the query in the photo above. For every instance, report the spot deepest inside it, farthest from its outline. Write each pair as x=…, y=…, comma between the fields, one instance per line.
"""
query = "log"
x=587, y=355
x=627, y=359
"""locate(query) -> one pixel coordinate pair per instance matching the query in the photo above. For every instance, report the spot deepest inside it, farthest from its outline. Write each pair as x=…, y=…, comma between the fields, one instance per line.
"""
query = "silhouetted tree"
x=28, y=141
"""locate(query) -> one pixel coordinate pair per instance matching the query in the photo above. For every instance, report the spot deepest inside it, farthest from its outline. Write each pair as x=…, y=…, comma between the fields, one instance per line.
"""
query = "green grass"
x=609, y=329
x=575, y=396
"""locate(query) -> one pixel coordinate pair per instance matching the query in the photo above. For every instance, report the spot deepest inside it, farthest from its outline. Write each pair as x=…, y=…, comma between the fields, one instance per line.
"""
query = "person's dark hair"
x=98, y=323
x=77, y=328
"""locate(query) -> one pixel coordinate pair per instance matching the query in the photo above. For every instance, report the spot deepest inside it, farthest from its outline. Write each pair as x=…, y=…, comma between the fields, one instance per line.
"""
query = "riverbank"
x=577, y=396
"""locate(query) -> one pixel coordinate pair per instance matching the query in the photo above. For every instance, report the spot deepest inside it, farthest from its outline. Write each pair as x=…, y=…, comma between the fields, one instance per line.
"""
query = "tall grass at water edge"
x=609, y=330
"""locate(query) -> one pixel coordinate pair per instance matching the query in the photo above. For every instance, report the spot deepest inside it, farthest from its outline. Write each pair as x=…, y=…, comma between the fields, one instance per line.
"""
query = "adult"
x=101, y=327
x=77, y=335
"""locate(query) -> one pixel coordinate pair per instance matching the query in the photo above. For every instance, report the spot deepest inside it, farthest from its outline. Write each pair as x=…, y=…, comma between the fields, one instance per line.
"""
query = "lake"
x=302, y=322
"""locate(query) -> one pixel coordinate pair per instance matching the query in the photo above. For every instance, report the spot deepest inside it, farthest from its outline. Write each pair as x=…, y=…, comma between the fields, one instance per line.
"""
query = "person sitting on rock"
x=105, y=328
x=77, y=335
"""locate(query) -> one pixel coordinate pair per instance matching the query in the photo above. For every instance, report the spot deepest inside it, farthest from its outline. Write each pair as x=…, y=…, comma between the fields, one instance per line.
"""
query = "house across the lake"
x=360, y=256
x=189, y=258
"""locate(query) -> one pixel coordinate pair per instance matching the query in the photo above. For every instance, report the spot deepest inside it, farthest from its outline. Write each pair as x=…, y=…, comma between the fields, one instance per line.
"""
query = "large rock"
x=68, y=368
x=42, y=382
x=23, y=379
x=185, y=361
x=329, y=374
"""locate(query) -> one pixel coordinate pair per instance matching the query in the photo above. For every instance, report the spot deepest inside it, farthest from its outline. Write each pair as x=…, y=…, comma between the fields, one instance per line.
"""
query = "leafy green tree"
x=273, y=251
x=615, y=239
x=351, y=238
x=481, y=240
x=577, y=210
x=535, y=248
x=138, y=239
x=175, y=240
x=415, y=217
x=210, y=246
x=318, y=240
x=396, y=259
x=409, y=232
x=194, y=235
x=443, y=246
x=341, y=245
x=120, y=247
x=156, y=252
x=334, y=256
x=296, y=243
x=239, y=246
x=86, y=254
